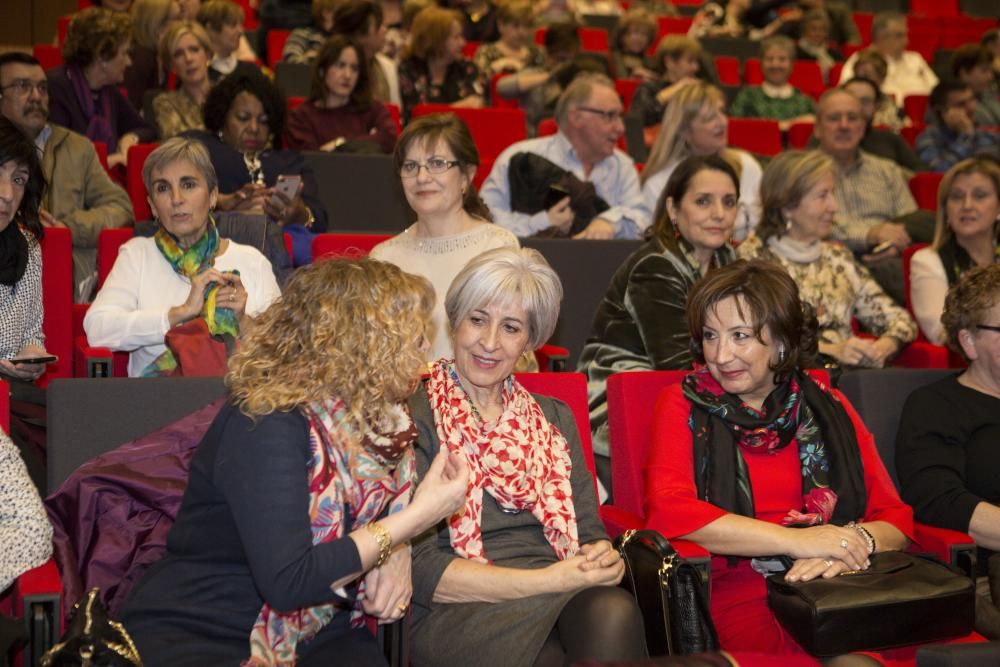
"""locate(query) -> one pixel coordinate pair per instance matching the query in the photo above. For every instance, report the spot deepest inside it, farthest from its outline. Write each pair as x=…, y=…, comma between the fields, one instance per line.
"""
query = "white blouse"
x=130, y=312
x=928, y=288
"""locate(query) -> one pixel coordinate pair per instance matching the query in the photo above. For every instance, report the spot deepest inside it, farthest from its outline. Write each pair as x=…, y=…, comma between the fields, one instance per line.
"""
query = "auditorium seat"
x=133, y=180
x=35, y=598
x=326, y=246
x=492, y=129
x=924, y=187
x=361, y=193
x=57, y=299
x=626, y=90
x=799, y=135
x=757, y=135
x=275, y=45
x=728, y=69
x=48, y=56
x=594, y=40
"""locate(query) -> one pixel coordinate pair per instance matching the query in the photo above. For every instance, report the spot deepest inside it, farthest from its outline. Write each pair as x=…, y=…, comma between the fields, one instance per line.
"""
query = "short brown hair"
x=767, y=294
x=95, y=33
x=430, y=30
x=215, y=14
x=968, y=301
x=968, y=56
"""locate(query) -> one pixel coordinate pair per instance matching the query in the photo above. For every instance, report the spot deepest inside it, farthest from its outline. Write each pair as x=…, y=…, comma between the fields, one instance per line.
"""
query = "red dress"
x=738, y=602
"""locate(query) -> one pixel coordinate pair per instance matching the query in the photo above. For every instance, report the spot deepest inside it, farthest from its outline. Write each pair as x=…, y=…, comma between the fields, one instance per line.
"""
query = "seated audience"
x=515, y=50
x=873, y=66
x=223, y=21
x=303, y=44
x=434, y=69
x=361, y=22
x=791, y=472
x=879, y=140
x=185, y=272
x=741, y=18
x=972, y=64
x=872, y=193
x=300, y=496
x=775, y=98
x=953, y=135
x=397, y=35
x=814, y=41
x=21, y=310
x=529, y=553
x=603, y=199
x=150, y=19
x=186, y=47
x=640, y=325
x=436, y=160
x=84, y=92
x=25, y=531
x=967, y=236
x=946, y=444
x=634, y=36
x=340, y=113
x=908, y=73
x=798, y=208
x=245, y=121
x=679, y=59
x=695, y=123
x=81, y=195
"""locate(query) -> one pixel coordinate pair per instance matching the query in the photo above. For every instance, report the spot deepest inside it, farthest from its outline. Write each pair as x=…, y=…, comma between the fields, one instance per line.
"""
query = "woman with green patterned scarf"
x=186, y=272
x=967, y=235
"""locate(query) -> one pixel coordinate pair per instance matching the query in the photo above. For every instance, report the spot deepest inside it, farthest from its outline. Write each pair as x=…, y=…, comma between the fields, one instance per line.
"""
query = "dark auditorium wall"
x=27, y=22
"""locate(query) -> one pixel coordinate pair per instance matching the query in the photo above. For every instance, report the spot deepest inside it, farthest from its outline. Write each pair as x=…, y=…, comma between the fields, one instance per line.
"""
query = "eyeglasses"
x=608, y=116
x=435, y=165
x=23, y=87
x=988, y=327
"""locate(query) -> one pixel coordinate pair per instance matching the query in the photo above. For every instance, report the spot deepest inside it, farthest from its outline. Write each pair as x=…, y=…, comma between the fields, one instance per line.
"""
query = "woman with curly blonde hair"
x=300, y=501
x=83, y=93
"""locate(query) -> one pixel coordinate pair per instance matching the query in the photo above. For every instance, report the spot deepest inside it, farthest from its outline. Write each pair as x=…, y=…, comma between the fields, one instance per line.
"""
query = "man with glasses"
x=954, y=134
x=878, y=216
x=80, y=195
x=909, y=73
x=589, y=114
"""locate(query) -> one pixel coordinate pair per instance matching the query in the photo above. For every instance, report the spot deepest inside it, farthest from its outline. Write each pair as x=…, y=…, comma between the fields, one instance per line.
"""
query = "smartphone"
x=555, y=195
x=45, y=359
x=288, y=185
x=881, y=247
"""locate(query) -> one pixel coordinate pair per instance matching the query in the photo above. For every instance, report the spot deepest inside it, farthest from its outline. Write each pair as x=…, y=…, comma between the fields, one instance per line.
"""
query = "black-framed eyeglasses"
x=435, y=165
x=23, y=87
x=988, y=327
x=609, y=116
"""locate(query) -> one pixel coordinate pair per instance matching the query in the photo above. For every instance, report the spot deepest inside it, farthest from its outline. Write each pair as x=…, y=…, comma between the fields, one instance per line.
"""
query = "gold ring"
x=828, y=563
x=843, y=543
x=402, y=606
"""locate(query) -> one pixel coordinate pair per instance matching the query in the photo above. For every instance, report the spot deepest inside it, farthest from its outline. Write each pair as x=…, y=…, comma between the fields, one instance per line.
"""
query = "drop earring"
x=781, y=353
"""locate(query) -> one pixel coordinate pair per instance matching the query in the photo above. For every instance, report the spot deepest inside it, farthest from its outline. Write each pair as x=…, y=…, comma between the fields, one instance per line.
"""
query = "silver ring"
x=843, y=543
x=828, y=563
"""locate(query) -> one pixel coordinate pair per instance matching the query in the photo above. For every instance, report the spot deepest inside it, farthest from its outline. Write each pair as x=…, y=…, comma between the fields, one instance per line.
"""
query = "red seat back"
x=469, y=50
x=328, y=246
x=924, y=186
x=275, y=45
x=62, y=28
x=496, y=101
x=133, y=179
x=834, y=74
x=755, y=135
x=102, y=155
x=752, y=73
x=294, y=102
x=799, y=135
x=48, y=56
x=493, y=130
x=591, y=39
x=626, y=90
x=571, y=389
x=396, y=117
x=807, y=76
x=728, y=69
x=109, y=242
x=934, y=7
x=863, y=20
x=57, y=300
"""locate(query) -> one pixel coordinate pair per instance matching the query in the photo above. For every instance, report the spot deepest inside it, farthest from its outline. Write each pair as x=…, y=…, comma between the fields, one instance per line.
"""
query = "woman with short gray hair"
x=525, y=574
x=184, y=273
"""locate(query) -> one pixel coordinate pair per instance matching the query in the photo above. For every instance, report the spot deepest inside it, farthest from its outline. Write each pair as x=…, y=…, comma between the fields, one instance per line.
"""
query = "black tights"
x=600, y=623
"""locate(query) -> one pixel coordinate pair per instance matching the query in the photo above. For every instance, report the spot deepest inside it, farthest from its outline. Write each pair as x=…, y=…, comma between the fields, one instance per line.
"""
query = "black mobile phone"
x=46, y=359
x=555, y=195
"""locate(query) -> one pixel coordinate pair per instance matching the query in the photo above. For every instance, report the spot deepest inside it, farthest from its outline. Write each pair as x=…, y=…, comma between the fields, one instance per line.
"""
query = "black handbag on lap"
x=92, y=639
x=669, y=592
x=901, y=599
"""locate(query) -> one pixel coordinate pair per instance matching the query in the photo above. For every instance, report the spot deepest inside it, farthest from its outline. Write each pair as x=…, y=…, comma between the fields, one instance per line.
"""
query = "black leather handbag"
x=669, y=592
x=901, y=599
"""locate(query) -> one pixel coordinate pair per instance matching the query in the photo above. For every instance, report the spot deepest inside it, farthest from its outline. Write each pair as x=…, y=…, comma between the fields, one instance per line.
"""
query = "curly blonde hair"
x=350, y=328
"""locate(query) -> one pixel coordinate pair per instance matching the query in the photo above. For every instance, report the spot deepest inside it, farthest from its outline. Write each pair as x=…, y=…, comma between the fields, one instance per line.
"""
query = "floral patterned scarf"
x=521, y=460
x=345, y=480
x=799, y=410
x=189, y=262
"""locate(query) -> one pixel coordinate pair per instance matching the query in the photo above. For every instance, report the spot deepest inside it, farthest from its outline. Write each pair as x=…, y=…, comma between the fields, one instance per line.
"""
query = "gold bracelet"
x=383, y=539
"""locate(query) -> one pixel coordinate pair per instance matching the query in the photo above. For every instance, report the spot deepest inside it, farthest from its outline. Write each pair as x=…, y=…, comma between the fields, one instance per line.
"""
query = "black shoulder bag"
x=92, y=639
x=669, y=593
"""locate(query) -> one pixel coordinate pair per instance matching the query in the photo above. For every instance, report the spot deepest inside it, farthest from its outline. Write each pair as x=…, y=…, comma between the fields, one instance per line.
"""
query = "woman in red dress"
x=754, y=460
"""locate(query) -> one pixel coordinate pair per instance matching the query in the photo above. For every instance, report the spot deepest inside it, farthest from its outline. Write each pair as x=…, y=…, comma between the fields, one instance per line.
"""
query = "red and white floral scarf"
x=521, y=460
x=345, y=480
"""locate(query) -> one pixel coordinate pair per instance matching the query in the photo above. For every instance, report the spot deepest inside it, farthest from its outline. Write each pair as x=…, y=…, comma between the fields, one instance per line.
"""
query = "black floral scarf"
x=799, y=410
